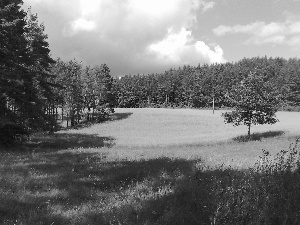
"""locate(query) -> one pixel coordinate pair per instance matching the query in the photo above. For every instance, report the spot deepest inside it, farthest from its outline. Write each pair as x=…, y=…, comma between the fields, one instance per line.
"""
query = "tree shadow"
x=60, y=141
x=120, y=116
x=83, y=178
x=16, y=212
x=83, y=170
x=86, y=123
x=258, y=136
x=94, y=189
x=192, y=200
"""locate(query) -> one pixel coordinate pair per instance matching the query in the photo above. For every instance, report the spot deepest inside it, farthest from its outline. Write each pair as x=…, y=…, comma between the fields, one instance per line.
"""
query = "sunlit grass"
x=170, y=172
x=158, y=127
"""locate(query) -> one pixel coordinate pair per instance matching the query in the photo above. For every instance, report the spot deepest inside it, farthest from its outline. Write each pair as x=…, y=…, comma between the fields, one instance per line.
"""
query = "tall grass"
x=86, y=186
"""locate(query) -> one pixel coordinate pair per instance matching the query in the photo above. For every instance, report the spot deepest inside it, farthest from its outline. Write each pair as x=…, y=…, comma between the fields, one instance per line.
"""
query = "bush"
x=10, y=133
x=103, y=113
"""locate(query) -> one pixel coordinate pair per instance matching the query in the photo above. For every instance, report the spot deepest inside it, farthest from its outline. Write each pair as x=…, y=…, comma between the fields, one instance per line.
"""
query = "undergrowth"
x=88, y=188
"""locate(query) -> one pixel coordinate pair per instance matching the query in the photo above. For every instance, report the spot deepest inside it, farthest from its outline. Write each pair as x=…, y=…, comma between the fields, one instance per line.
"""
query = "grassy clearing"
x=192, y=134
x=134, y=171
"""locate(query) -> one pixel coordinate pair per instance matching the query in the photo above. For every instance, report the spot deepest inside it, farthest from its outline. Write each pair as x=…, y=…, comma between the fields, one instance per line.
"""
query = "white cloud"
x=89, y=7
x=222, y=30
x=120, y=32
x=262, y=33
x=155, y=8
x=207, y=5
x=214, y=56
x=180, y=48
x=294, y=28
x=83, y=24
x=249, y=28
x=170, y=47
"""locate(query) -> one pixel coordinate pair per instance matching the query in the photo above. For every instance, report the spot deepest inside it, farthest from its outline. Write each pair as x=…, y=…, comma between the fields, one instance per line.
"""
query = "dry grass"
x=157, y=127
x=151, y=166
x=189, y=134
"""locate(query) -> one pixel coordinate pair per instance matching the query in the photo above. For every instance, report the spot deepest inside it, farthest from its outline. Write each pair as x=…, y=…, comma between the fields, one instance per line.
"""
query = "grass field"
x=189, y=134
x=155, y=166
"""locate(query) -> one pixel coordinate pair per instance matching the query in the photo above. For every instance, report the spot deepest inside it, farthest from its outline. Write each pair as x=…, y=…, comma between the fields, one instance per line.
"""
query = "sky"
x=152, y=36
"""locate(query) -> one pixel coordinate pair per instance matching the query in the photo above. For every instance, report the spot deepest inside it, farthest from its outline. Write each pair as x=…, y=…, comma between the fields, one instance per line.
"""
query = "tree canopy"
x=24, y=67
x=254, y=100
x=193, y=86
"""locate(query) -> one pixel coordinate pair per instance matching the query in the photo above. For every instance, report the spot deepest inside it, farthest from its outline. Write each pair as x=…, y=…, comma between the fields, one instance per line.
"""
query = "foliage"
x=85, y=91
x=255, y=102
x=193, y=87
x=24, y=68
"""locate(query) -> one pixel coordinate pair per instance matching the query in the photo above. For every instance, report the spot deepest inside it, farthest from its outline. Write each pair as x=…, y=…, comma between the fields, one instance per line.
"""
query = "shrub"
x=10, y=133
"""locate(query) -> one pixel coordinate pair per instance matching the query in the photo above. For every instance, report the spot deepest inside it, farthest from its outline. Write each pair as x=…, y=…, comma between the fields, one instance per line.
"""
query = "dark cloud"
x=130, y=36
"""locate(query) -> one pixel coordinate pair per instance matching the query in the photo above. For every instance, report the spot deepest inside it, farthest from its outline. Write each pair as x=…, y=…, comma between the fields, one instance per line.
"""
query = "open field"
x=154, y=166
x=189, y=134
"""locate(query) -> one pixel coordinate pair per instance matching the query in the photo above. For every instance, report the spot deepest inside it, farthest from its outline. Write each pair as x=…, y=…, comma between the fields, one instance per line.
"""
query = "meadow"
x=155, y=166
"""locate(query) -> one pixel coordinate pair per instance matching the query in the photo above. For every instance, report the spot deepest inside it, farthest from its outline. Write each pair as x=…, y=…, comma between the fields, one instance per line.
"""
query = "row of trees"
x=84, y=91
x=196, y=86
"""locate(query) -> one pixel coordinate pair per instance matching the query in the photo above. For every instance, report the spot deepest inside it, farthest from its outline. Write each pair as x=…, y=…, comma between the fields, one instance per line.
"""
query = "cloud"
x=181, y=48
x=207, y=5
x=260, y=32
x=214, y=56
x=82, y=24
x=131, y=36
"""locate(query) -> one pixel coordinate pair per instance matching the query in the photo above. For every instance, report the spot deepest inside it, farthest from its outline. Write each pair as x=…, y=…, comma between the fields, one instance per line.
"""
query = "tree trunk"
x=72, y=117
x=62, y=114
x=249, y=126
x=213, y=102
x=67, y=120
x=249, y=123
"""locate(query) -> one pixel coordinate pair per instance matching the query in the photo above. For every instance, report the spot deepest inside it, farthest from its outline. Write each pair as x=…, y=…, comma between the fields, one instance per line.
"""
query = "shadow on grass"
x=258, y=136
x=120, y=116
x=72, y=180
x=86, y=171
x=86, y=124
x=19, y=212
x=60, y=141
x=81, y=187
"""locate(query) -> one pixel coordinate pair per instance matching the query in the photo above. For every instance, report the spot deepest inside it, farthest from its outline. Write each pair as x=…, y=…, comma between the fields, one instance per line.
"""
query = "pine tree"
x=24, y=62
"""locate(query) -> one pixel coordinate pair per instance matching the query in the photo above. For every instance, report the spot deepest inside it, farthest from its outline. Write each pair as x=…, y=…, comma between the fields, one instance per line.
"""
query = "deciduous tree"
x=255, y=102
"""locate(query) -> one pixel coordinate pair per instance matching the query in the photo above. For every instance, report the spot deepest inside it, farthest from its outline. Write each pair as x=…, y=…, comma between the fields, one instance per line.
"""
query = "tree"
x=12, y=52
x=24, y=67
x=71, y=94
x=255, y=102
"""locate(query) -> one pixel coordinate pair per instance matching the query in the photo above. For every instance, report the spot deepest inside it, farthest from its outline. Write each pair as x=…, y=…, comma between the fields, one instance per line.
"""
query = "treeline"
x=196, y=86
x=83, y=92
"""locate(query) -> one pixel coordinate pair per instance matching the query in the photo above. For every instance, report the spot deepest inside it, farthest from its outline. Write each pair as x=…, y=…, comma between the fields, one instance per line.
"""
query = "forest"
x=38, y=92
x=195, y=87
